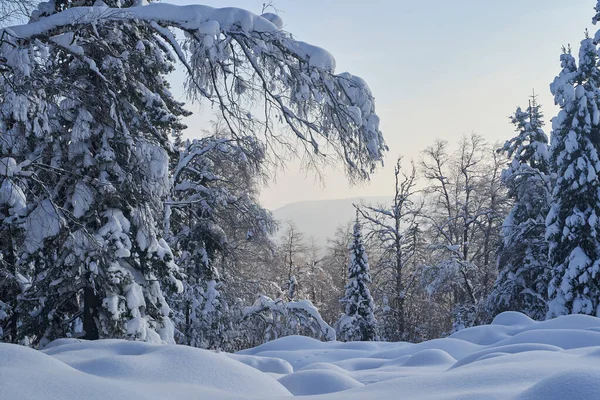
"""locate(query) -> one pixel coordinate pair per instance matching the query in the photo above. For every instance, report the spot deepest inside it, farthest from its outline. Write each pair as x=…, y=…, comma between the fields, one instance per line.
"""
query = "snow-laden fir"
x=112, y=224
x=573, y=222
x=522, y=281
x=358, y=321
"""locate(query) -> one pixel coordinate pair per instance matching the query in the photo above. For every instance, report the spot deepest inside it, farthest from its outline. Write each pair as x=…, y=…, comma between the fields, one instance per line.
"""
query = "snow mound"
x=513, y=358
x=429, y=357
x=293, y=342
x=305, y=383
x=511, y=318
x=264, y=364
x=274, y=19
x=128, y=370
x=574, y=384
x=497, y=351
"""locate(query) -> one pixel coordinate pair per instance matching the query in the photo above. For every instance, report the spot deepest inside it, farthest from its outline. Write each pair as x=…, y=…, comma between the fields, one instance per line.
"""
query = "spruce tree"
x=522, y=283
x=358, y=321
x=573, y=222
x=97, y=141
x=88, y=121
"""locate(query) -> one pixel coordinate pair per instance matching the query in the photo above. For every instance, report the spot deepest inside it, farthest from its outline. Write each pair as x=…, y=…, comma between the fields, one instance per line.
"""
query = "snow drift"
x=513, y=358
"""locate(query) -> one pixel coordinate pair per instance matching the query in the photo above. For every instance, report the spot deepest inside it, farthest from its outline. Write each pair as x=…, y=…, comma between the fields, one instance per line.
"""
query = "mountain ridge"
x=320, y=218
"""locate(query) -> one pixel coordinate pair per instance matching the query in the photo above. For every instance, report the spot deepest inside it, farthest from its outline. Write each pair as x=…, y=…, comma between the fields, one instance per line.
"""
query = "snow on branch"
x=281, y=318
x=260, y=79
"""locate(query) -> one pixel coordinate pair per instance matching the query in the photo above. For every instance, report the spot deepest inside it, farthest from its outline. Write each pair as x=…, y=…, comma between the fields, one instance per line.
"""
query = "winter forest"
x=116, y=224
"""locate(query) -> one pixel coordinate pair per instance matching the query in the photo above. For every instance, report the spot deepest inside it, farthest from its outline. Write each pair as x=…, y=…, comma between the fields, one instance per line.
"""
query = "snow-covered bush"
x=269, y=319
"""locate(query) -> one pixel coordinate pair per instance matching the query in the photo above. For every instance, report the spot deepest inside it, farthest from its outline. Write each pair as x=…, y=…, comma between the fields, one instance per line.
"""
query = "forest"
x=116, y=224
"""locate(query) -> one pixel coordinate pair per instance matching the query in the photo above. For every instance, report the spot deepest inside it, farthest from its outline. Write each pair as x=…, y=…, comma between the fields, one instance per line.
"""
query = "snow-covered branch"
x=232, y=57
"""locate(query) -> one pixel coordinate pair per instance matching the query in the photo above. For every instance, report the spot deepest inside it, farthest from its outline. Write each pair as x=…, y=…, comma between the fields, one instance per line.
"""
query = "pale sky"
x=437, y=69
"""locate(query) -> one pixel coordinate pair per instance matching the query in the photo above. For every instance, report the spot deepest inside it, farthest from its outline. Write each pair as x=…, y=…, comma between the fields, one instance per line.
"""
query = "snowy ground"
x=514, y=358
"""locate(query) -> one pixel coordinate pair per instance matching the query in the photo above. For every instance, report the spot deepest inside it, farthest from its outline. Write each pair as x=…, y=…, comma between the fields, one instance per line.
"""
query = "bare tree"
x=336, y=254
x=292, y=256
x=465, y=206
x=395, y=230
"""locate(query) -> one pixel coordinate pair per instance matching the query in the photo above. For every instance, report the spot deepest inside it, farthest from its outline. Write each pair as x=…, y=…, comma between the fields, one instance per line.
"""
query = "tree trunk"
x=12, y=327
x=399, y=287
x=90, y=314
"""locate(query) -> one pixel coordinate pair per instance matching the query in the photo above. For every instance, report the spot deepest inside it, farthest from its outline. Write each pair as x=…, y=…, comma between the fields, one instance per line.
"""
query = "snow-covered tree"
x=464, y=209
x=87, y=115
x=212, y=208
x=319, y=282
x=95, y=127
x=336, y=254
x=12, y=11
x=305, y=104
x=358, y=321
x=522, y=283
x=573, y=222
x=12, y=283
x=292, y=255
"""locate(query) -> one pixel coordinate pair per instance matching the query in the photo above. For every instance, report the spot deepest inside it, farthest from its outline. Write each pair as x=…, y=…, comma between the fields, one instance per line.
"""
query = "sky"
x=437, y=69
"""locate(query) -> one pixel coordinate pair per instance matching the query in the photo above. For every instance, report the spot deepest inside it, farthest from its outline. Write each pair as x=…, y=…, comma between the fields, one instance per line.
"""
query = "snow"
x=190, y=16
x=71, y=369
x=83, y=198
x=43, y=222
x=311, y=310
x=8, y=166
x=206, y=20
x=274, y=18
x=12, y=195
x=512, y=358
x=305, y=383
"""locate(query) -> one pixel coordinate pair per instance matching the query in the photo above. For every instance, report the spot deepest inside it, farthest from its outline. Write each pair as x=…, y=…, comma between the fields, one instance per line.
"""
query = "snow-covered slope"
x=320, y=218
x=514, y=358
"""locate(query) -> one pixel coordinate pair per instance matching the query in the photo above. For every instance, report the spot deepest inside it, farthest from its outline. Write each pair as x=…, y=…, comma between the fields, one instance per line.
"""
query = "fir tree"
x=573, y=222
x=358, y=321
x=522, y=283
x=98, y=143
x=88, y=121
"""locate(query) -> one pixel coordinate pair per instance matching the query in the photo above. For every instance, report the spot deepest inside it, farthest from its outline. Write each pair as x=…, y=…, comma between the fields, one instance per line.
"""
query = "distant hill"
x=320, y=218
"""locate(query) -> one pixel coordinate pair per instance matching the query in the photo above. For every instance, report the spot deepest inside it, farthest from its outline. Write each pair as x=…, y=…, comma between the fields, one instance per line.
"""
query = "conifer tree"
x=522, y=283
x=573, y=223
x=96, y=144
x=358, y=321
x=91, y=133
